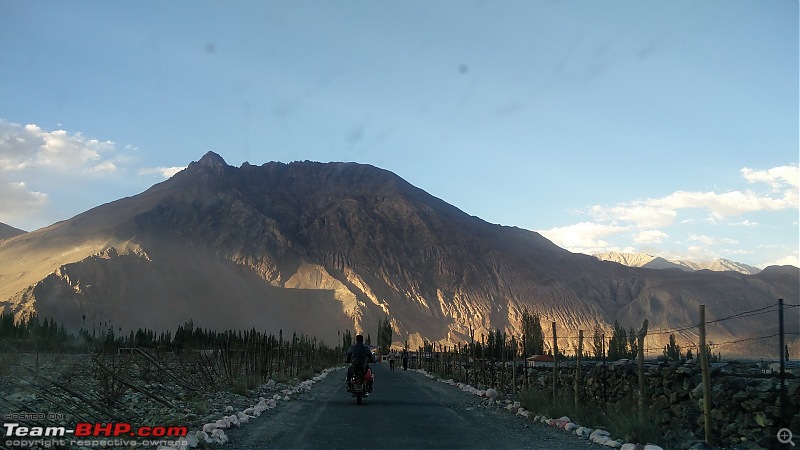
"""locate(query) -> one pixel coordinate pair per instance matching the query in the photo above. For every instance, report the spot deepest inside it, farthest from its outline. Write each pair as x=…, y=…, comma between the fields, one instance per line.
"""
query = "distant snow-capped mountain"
x=657, y=262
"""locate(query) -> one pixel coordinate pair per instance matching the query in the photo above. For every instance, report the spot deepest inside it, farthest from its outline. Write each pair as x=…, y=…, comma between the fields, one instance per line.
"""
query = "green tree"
x=495, y=344
x=347, y=340
x=633, y=345
x=384, y=335
x=618, y=345
x=672, y=351
x=532, y=330
x=597, y=342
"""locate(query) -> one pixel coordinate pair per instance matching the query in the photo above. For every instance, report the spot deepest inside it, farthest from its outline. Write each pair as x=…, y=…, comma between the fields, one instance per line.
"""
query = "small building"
x=540, y=361
x=790, y=367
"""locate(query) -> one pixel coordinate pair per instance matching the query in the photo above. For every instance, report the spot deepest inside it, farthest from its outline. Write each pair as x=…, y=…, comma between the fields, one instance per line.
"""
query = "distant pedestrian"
x=392, y=356
x=405, y=359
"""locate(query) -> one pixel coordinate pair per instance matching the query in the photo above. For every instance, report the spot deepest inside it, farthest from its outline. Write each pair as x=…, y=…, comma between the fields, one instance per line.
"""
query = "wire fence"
x=668, y=385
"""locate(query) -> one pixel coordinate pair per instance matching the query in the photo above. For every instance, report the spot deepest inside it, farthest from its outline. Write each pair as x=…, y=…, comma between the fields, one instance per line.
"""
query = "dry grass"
x=620, y=419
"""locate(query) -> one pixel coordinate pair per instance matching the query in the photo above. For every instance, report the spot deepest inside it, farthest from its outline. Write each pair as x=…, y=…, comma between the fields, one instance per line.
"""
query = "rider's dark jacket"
x=360, y=353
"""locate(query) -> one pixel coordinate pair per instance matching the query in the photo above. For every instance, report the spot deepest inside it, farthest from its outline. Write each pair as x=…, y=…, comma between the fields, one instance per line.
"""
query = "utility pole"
x=640, y=357
x=555, y=363
x=578, y=367
x=784, y=417
x=605, y=376
x=706, y=377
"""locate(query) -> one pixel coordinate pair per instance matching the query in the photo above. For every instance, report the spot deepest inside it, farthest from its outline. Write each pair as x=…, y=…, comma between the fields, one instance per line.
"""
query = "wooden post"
x=605, y=375
x=578, y=367
x=781, y=352
x=555, y=362
x=473, y=355
x=640, y=357
x=483, y=357
x=706, y=377
x=525, y=361
x=503, y=362
x=514, y=370
x=460, y=364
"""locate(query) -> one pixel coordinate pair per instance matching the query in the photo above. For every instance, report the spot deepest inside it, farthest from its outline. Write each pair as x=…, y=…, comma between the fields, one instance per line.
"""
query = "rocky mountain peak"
x=322, y=247
x=212, y=159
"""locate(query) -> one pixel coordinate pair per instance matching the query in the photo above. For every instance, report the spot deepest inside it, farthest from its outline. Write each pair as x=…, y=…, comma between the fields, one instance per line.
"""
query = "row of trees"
x=384, y=340
x=48, y=335
x=623, y=343
x=40, y=334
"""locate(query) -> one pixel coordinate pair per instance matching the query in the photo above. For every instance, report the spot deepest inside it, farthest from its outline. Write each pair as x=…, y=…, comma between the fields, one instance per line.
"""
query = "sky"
x=668, y=128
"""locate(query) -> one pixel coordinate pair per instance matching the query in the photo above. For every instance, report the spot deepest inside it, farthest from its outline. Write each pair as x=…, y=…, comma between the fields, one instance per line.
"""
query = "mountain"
x=656, y=262
x=323, y=247
x=7, y=231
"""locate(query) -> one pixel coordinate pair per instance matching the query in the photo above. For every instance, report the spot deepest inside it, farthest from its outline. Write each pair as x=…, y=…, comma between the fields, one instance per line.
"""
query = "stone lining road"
x=407, y=410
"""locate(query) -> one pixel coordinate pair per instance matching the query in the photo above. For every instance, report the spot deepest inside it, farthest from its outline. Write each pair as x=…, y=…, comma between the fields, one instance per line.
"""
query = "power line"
x=740, y=315
x=715, y=344
x=672, y=331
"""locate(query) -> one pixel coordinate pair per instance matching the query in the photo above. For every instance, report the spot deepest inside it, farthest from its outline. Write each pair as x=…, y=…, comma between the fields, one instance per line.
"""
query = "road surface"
x=406, y=410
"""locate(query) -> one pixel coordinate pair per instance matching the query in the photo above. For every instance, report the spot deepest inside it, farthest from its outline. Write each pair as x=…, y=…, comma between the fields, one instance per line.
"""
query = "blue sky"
x=663, y=127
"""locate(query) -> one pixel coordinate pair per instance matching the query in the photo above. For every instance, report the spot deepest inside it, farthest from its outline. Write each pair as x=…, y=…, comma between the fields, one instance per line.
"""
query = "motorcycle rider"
x=359, y=354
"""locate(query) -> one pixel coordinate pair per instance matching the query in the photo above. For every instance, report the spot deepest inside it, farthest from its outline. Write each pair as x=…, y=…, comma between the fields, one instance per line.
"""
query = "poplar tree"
x=597, y=342
x=618, y=345
x=532, y=330
x=672, y=351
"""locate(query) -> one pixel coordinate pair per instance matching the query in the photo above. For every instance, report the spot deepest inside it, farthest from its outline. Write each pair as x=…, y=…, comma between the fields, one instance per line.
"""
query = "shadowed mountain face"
x=7, y=231
x=317, y=248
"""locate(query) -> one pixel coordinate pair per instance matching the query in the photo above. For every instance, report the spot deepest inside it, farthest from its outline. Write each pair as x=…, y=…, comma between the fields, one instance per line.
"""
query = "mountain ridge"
x=7, y=231
x=320, y=247
x=657, y=262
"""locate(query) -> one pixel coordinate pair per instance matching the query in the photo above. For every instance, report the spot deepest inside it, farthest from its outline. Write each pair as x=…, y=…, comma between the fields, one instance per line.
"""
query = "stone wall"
x=745, y=407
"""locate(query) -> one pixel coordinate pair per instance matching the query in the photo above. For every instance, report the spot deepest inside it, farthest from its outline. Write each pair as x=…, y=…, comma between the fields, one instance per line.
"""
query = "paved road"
x=407, y=410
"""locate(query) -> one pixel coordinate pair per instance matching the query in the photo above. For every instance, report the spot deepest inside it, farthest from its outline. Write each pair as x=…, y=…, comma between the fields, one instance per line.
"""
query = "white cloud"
x=29, y=147
x=103, y=167
x=639, y=213
x=727, y=204
x=776, y=177
x=583, y=237
x=37, y=167
x=708, y=240
x=646, y=222
x=791, y=260
x=650, y=237
x=17, y=201
x=662, y=212
x=165, y=172
x=745, y=223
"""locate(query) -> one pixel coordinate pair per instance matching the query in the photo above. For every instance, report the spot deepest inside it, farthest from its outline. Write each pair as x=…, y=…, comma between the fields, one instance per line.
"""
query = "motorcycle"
x=360, y=382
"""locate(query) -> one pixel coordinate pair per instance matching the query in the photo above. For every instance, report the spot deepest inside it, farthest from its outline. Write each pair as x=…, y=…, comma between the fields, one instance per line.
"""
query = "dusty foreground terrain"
x=406, y=410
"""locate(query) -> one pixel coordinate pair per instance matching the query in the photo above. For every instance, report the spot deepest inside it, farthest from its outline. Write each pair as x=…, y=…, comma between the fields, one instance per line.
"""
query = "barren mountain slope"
x=322, y=247
x=7, y=231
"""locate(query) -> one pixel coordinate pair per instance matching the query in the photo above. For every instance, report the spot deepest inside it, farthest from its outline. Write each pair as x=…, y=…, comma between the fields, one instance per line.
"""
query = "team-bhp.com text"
x=53, y=436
